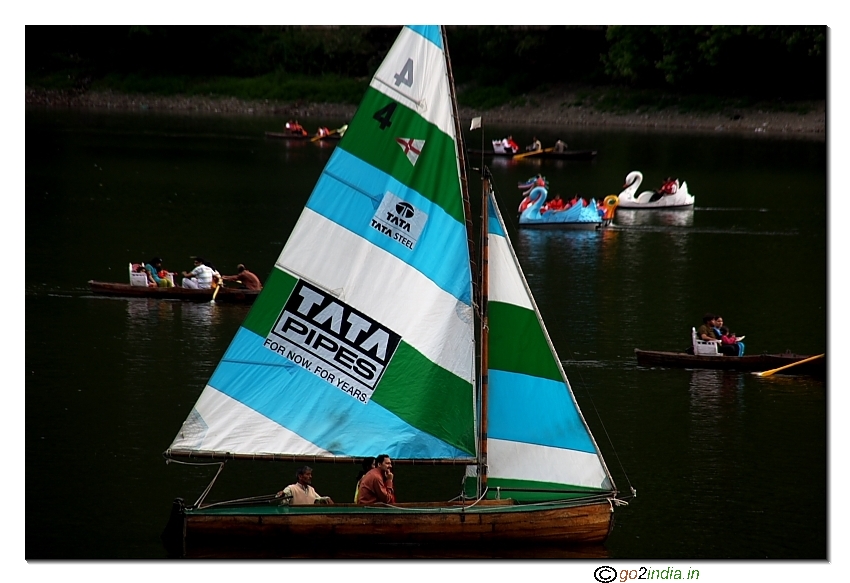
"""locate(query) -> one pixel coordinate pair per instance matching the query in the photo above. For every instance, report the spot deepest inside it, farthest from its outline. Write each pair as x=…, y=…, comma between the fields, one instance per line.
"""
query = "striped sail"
x=537, y=439
x=362, y=339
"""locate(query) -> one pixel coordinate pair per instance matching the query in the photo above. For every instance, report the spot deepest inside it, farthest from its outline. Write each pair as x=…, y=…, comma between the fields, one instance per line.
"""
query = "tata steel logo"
x=404, y=209
x=399, y=220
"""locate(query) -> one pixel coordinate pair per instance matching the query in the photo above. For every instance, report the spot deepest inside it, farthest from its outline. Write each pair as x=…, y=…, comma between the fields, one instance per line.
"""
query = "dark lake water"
x=726, y=465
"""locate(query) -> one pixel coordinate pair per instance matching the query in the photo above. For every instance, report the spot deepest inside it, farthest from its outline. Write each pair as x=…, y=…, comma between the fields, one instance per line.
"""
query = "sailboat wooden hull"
x=491, y=521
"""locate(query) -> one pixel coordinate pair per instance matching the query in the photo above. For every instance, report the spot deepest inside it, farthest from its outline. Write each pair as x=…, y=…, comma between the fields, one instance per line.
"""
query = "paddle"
x=534, y=153
x=215, y=293
x=330, y=133
x=767, y=373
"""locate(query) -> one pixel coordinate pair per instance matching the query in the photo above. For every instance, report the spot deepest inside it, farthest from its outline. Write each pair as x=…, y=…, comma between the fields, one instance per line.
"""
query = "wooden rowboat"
x=540, y=155
x=747, y=363
x=227, y=295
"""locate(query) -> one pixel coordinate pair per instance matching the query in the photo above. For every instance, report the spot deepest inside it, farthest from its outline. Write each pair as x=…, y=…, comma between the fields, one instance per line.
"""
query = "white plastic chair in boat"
x=138, y=278
x=498, y=147
x=703, y=347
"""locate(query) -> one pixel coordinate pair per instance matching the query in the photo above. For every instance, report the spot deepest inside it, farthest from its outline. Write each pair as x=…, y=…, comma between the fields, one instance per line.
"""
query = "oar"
x=534, y=153
x=215, y=293
x=330, y=133
x=767, y=373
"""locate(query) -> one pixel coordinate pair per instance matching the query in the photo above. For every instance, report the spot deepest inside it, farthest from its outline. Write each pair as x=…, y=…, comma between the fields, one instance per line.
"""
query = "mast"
x=479, y=293
x=485, y=330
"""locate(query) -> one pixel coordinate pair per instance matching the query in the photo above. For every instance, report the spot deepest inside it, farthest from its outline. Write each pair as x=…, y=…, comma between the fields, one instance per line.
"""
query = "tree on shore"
x=490, y=62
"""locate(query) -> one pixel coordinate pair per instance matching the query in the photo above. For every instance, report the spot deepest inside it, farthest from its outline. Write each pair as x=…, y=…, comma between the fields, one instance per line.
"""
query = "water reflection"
x=654, y=218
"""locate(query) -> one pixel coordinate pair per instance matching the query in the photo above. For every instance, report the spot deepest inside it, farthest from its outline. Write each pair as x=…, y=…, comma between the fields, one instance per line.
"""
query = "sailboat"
x=377, y=332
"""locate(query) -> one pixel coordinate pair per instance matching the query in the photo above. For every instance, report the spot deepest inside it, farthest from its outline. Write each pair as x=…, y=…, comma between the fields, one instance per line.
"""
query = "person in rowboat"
x=245, y=277
x=706, y=331
x=302, y=491
x=377, y=485
x=535, y=145
x=201, y=277
x=296, y=128
x=367, y=465
x=510, y=145
x=157, y=276
x=729, y=344
x=560, y=146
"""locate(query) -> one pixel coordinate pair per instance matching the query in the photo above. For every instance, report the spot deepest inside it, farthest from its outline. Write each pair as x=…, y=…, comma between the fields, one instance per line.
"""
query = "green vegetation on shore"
x=623, y=68
x=272, y=86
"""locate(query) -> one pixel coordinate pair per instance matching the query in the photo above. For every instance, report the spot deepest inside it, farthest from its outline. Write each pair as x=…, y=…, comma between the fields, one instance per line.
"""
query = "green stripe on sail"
x=428, y=397
x=517, y=343
x=503, y=488
x=377, y=125
x=269, y=303
x=415, y=389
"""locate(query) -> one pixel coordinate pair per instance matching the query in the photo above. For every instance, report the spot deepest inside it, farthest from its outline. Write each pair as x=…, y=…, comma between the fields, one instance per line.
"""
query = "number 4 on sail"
x=370, y=336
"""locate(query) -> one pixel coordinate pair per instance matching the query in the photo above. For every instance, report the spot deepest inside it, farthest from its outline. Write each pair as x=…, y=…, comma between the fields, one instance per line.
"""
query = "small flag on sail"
x=476, y=123
x=412, y=148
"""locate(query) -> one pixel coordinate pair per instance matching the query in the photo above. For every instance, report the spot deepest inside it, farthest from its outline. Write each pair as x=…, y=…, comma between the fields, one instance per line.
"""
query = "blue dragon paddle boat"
x=533, y=212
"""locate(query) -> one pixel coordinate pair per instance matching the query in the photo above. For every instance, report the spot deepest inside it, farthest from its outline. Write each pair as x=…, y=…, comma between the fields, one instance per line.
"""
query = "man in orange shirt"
x=377, y=484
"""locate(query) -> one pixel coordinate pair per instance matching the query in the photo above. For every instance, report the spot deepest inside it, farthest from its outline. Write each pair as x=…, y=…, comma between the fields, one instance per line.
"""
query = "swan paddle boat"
x=675, y=195
x=581, y=214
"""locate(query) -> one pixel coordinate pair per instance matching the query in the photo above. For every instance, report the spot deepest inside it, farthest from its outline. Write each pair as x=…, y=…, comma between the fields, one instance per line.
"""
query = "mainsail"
x=538, y=444
x=362, y=340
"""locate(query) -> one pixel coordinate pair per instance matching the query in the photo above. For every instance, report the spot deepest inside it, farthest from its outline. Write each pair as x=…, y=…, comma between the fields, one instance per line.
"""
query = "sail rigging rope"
x=174, y=461
x=477, y=500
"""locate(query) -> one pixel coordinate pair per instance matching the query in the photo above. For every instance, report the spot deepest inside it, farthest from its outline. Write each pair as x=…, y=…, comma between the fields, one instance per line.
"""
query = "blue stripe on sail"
x=349, y=192
x=533, y=410
x=430, y=32
x=322, y=414
x=494, y=226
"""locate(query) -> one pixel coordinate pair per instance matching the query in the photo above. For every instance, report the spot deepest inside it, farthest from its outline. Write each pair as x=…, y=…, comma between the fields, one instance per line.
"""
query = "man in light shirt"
x=302, y=491
x=199, y=278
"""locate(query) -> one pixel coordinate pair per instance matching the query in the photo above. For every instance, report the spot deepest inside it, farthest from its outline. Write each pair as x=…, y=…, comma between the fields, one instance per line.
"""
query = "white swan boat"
x=651, y=199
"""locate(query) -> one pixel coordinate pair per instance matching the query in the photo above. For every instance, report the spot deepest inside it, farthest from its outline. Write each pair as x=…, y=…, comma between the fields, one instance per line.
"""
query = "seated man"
x=245, y=277
x=302, y=492
x=535, y=145
x=706, y=331
x=377, y=484
x=200, y=277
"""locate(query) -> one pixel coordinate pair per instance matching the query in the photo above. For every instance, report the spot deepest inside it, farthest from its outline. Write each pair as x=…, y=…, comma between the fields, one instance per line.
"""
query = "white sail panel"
x=220, y=423
x=530, y=462
x=414, y=74
x=509, y=287
x=360, y=274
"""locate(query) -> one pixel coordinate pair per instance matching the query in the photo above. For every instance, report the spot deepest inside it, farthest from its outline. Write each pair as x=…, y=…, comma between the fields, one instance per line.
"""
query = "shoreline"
x=547, y=110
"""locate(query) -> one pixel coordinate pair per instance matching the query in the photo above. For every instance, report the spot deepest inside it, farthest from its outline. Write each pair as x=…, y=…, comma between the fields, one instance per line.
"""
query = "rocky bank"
x=543, y=110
